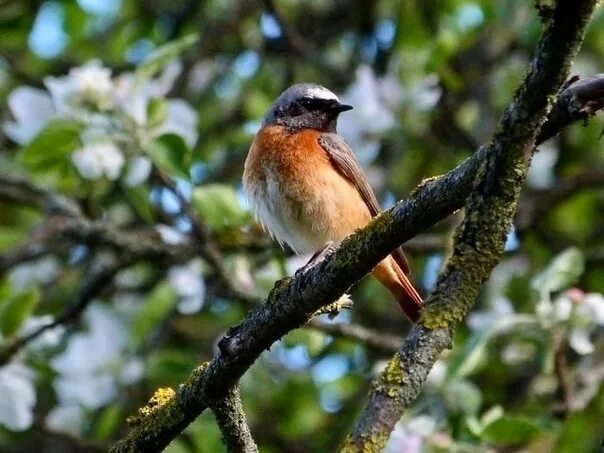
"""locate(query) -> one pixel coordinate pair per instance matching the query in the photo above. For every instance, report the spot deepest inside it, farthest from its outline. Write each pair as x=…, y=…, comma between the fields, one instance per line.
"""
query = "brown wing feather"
x=345, y=162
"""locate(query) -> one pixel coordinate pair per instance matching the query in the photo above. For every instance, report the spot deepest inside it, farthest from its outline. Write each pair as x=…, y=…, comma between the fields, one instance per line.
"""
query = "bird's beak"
x=339, y=108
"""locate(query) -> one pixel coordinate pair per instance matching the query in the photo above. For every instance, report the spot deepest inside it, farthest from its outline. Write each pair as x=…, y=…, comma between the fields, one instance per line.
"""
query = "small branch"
x=233, y=424
x=208, y=248
x=379, y=341
x=563, y=373
x=94, y=285
x=533, y=206
x=580, y=100
x=295, y=42
x=21, y=192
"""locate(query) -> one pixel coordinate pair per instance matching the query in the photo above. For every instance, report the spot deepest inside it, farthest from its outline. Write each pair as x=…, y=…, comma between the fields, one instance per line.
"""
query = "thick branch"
x=480, y=239
x=233, y=425
x=293, y=301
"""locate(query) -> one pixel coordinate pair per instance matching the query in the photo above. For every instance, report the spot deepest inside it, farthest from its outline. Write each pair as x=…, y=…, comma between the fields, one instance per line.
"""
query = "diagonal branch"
x=233, y=424
x=94, y=284
x=293, y=301
x=480, y=239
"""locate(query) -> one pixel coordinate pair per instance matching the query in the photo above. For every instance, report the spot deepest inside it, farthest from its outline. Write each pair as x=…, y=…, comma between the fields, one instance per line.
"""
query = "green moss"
x=278, y=289
x=374, y=443
x=390, y=381
x=161, y=397
x=423, y=183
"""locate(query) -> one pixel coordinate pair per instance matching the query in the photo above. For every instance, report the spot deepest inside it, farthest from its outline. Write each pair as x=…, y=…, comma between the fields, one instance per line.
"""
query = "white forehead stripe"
x=321, y=93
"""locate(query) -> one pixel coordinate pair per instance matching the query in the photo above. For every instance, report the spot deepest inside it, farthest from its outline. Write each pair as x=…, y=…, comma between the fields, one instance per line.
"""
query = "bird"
x=307, y=189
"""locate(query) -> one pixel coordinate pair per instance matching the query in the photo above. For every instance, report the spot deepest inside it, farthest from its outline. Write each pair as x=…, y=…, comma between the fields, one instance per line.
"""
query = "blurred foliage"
x=428, y=81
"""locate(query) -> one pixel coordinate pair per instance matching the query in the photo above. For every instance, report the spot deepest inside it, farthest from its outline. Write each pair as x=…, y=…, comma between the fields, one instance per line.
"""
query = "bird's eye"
x=311, y=103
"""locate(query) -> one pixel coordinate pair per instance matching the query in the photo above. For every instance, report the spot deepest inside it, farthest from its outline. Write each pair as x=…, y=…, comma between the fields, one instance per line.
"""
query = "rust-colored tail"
x=390, y=274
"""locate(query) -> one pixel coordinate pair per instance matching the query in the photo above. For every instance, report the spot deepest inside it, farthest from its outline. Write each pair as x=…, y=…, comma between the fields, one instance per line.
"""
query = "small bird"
x=306, y=187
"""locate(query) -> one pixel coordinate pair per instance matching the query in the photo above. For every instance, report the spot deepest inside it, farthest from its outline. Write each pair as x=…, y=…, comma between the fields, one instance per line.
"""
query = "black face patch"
x=312, y=104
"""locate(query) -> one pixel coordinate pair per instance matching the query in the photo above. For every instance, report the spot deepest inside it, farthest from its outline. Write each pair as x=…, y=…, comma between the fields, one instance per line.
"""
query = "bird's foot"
x=318, y=257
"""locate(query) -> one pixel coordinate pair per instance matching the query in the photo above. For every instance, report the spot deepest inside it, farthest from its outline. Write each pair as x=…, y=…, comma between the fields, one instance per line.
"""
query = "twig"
x=233, y=424
x=533, y=206
x=480, y=239
x=208, y=248
x=563, y=373
x=384, y=342
x=89, y=290
x=295, y=42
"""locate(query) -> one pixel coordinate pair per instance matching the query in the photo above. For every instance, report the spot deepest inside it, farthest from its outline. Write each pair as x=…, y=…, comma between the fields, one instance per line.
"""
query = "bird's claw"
x=317, y=258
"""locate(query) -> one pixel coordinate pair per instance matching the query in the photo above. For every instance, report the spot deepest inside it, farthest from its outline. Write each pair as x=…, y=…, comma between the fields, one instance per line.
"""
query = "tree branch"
x=94, y=284
x=480, y=239
x=293, y=301
x=380, y=341
x=232, y=422
x=533, y=206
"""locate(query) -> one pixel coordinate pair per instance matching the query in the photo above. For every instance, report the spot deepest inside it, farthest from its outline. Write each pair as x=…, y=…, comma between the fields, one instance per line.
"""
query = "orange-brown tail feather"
x=389, y=274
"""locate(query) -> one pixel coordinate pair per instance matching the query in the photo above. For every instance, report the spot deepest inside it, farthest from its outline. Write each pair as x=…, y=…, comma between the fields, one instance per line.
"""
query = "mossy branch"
x=293, y=301
x=233, y=424
x=480, y=239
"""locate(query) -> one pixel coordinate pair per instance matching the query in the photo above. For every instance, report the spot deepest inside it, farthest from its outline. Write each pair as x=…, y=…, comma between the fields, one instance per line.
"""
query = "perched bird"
x=306, y=187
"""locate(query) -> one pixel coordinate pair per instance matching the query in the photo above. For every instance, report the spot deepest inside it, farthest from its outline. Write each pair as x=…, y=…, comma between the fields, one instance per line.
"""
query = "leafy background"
x=135, y=109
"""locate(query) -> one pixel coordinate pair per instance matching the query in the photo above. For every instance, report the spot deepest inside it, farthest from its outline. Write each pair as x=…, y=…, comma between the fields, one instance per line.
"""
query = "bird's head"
x=306, y=106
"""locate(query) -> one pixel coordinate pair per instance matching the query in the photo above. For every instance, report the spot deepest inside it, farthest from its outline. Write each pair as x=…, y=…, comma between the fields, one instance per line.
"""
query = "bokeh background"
x=140, y=114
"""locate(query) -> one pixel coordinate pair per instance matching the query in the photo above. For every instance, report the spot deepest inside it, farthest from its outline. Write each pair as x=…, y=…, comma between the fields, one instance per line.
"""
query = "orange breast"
x=297, y=194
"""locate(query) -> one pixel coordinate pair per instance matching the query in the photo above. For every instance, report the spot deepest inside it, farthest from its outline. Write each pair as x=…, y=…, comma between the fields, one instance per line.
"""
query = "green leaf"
x=463, y=396
x=157, y=110
x=511, y=430
x=160, y=302
x=171, y=155
x=563, y=271
x=217, y=204
x=139, y=198
x=582, y=430
x=53, y=146
x=177, y=446
x=160, y=57
x=17, y=309
x=474, y=353
x=9, y=236
x=109, y=420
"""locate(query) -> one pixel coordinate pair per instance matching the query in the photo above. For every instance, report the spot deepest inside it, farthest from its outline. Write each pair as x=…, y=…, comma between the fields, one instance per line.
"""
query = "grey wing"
x=346, y=163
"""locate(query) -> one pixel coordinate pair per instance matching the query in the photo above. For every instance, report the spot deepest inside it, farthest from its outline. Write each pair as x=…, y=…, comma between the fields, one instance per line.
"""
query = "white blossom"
x=18, y=396
x=188, y=283
x=95, y=362
x=500, y=307
x=181, y=119
x=139, y=170
x=578, y=339
x=409, y=436
x=32, y=109
x=133, y=96
x=86, y=86
x=68, y=419
x=48, y=339
x=170, y=235
x=96, y=160
x=372, y=115
x=437, y=375
x=43, y=270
